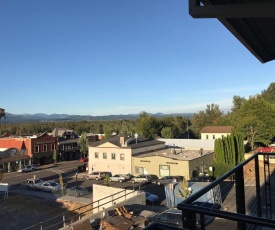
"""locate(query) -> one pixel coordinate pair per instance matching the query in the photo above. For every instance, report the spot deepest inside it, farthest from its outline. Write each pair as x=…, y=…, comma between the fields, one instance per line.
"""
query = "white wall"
x=108, y=196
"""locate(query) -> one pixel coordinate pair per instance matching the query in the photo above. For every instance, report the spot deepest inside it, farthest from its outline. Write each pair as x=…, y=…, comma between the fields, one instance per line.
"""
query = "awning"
x=14, y=158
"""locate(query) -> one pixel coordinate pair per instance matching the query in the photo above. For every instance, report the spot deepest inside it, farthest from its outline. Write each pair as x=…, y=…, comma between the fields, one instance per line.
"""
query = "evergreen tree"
x=83, y=144
x=229, y=151
x=167, y=132
x=54, y=156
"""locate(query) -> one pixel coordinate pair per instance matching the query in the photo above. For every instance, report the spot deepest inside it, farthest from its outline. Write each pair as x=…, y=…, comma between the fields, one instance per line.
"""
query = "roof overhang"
x=252, y=22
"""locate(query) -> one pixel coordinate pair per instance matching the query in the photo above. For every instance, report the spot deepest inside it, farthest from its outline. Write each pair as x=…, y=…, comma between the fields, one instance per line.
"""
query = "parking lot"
x=23, y=203
x=72, y=178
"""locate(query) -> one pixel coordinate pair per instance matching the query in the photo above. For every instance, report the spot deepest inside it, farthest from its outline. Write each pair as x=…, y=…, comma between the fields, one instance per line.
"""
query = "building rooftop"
x=176, y=154
x=217, y=129
x=206, y=144
x=127, y=142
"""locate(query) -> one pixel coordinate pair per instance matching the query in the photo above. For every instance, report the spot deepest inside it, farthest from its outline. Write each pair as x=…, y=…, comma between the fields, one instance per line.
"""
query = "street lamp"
x=202, y=169
x=76, y=179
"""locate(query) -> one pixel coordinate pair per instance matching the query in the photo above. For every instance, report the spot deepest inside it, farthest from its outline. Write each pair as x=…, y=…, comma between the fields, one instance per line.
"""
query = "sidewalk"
x=48, y=166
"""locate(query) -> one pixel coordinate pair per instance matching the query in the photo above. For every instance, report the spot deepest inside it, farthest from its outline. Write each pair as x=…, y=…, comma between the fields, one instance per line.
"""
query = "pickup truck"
x=33, y=183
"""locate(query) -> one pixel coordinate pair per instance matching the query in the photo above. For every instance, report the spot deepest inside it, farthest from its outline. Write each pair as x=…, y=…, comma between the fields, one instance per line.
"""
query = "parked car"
x=108, y=173
x=169, y=179
x=142, y=179
x=170, y=217
x=50, y=186
x=26, y=168
x=34, y=166
x=202, y=179
x=128, y=176
x=82, y=168
x=174, y=217
x=153, y=177
x=82, y=175
x=150, y=198
x=96, y=176
x=84, y=159
x=180, y=178
x=76, y=191
x=118, y=177
x=33, y=183
x=165, y=180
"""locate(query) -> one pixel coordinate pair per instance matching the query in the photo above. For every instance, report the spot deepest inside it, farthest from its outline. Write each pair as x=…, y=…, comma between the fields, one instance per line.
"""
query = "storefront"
x=43, y=158
x=13, y=163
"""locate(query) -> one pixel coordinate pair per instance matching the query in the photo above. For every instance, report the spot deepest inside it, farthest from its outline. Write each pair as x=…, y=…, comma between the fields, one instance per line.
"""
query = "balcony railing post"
x=64, y=222
x=258, y=187
x=240, y=195
x=188, y=219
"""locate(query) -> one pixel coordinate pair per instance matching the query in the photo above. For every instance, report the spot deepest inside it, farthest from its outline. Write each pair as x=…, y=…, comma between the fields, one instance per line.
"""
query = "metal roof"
x=252, y=22
x=217, y=129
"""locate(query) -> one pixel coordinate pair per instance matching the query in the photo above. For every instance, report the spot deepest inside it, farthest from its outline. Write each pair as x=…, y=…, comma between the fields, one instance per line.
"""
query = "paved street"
x=68, y=169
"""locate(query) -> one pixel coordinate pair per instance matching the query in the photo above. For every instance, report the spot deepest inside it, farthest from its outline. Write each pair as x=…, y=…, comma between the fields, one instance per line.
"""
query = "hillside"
x=40, y=117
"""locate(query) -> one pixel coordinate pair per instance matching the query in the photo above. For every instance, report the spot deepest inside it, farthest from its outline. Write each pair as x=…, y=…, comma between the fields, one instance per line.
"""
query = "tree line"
x=254, y=118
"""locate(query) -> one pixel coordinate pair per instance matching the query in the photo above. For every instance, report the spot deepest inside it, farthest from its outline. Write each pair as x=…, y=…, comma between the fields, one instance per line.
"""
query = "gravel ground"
x=21, y=211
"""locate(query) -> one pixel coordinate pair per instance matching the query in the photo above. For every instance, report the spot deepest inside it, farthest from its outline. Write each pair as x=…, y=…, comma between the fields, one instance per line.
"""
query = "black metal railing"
x=246, y=200
x=69, y=217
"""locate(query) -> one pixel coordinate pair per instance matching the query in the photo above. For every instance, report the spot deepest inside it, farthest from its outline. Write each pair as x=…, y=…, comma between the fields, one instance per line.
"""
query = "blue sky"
x=102, y=57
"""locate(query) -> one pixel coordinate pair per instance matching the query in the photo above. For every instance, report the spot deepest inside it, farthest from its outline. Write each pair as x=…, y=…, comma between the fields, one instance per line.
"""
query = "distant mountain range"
x=41, y=117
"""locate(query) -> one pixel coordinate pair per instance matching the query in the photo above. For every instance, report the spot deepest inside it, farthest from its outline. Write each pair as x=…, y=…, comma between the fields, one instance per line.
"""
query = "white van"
x=96, y=176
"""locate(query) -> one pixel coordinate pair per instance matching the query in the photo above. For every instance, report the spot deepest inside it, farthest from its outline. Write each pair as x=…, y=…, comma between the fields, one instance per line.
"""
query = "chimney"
x=122, y=141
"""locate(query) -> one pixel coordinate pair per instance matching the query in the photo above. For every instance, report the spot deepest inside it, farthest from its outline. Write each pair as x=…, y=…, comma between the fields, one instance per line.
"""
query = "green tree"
x=255, y=119
x=210, y=116
x=106, y=180
x=269, y=94
x=83, y=144
x=218, y=150
x=183, y=189
x=167, y=132
x=229, y=151
x=107, y=131
x=146, y=126
x=237, y=102
x=54, y=155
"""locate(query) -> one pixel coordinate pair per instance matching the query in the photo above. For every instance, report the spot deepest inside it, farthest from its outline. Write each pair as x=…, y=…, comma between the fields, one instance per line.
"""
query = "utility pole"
x=188, y=129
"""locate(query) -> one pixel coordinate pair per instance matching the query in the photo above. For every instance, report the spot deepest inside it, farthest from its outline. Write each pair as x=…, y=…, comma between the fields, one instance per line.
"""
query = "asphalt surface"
x=68, y=169
x=43, y=204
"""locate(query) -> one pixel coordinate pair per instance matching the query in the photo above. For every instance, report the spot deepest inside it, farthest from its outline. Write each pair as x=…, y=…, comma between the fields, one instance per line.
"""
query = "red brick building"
x=17, y=151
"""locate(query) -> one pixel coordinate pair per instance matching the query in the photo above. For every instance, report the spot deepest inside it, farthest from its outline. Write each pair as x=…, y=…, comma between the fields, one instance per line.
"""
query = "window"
x=53, y=146
x=36, y=148
x=96, y=154
x=206, y=136
x=113, y=156
x=139, y=170
x=62, y=147
x=164, y=170
x=213, y=136
x=104, y=155
x=44, y=148
x=122, y=156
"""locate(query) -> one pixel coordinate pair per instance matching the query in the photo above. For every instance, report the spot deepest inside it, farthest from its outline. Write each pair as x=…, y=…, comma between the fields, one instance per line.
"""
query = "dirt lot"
x=20, y=211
